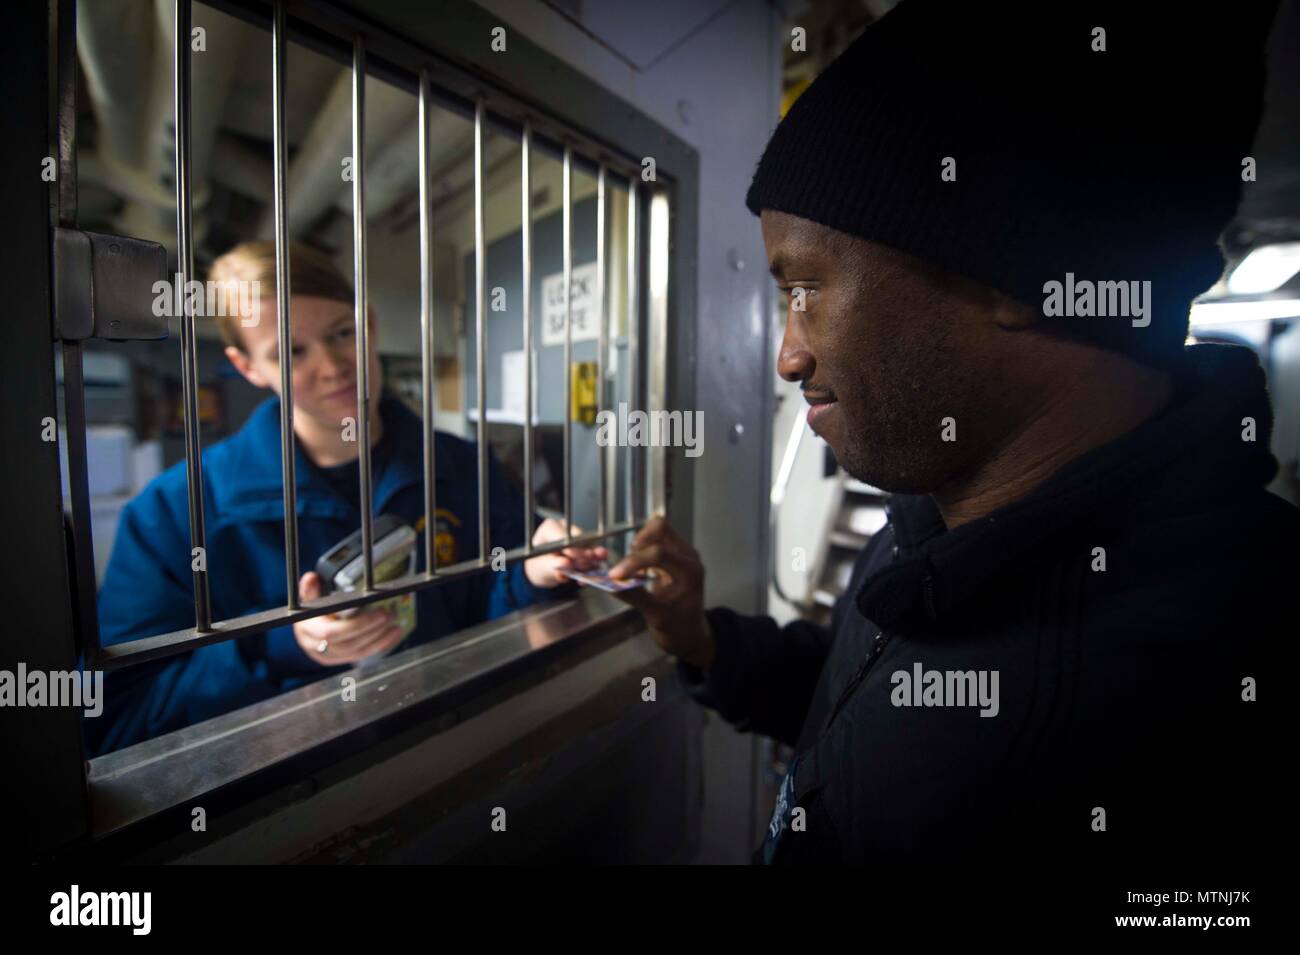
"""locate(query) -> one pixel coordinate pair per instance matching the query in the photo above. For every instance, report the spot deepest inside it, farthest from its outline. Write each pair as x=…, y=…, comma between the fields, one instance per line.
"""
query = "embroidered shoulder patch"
x=444, y=536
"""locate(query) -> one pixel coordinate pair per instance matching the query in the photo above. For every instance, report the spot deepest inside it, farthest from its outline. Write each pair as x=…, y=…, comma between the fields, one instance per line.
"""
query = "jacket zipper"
x=877, y=648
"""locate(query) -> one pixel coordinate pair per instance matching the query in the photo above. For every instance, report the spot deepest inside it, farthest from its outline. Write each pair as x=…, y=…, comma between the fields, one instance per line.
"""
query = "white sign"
x=512, y=384
x=586, y=317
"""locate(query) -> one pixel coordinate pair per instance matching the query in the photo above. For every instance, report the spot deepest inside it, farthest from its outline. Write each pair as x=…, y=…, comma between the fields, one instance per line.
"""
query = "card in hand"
x=602, y=581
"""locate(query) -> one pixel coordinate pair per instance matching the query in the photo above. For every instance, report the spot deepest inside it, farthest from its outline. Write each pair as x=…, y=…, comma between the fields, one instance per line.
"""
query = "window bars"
x=643, y=482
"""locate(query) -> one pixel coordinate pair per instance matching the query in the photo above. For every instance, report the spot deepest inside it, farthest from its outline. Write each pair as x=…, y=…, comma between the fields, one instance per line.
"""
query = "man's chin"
x=872, y=470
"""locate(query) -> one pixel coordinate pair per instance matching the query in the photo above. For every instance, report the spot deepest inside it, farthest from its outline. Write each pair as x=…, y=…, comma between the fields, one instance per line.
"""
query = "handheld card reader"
x=340, y=568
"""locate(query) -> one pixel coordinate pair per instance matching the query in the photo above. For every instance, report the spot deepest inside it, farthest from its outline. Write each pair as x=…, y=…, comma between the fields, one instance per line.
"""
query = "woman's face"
x=324, y=357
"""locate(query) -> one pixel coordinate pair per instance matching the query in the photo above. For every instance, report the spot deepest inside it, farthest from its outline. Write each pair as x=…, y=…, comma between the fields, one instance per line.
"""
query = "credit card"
x=602, y=581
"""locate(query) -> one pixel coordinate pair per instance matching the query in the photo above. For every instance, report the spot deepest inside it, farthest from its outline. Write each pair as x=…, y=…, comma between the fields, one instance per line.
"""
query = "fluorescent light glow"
x=659, y=245
x=1206, y=314
x=1265, y=269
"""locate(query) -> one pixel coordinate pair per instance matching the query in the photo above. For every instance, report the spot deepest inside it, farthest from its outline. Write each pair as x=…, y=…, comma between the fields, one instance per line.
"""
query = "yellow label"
x=582, y=404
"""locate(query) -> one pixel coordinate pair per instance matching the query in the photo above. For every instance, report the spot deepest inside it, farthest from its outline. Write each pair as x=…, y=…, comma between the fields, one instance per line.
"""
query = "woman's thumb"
x=309, y=586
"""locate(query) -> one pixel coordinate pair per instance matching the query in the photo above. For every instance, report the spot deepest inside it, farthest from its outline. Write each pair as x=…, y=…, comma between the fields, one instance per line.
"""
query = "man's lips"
x=820, y=406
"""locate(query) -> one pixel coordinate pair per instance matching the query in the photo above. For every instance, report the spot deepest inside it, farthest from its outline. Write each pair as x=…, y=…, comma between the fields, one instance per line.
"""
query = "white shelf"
x=500, y=416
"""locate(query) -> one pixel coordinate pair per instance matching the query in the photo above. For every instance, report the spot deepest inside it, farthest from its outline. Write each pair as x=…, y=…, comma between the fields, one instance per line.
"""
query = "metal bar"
x=658, y=253
x=602, y=345
x=480, y=335
x=359, y=276
x=184, y=273
x=633, y=342
x=397, y=59
x=559, y=138
x=182, y=641
x=568, y=342
x=82, y=541
x=288, y=468
x=526, y=229
x=426, y=330
x=65, y=111
x=86, y=617
x=47, y=796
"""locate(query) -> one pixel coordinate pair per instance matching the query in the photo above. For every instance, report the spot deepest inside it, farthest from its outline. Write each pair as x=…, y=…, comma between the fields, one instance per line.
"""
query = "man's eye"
x=347, y=332
x=797, y=297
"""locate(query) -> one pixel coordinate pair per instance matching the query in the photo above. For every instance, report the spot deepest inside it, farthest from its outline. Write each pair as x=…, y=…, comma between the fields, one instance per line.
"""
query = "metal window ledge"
x=415, y=693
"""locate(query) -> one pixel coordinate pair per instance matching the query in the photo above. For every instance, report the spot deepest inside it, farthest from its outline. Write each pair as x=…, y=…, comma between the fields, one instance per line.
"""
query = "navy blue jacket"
x=1126, y=723
x=148, y=586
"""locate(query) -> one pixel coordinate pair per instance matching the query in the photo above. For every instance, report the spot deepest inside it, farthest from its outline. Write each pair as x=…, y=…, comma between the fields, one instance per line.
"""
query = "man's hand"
x=548, y=570
x=332, y=641
x=673, y=604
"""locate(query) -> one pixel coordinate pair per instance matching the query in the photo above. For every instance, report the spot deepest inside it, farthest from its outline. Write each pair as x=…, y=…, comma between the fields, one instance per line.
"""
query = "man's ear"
x=245, y=367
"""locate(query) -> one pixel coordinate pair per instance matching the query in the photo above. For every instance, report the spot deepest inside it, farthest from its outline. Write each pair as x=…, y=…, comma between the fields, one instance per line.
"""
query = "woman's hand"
x=334, y=641
x=549, y=570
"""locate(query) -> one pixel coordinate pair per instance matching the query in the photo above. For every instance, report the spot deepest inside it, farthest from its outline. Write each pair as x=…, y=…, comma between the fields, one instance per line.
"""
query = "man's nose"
x=795, y=361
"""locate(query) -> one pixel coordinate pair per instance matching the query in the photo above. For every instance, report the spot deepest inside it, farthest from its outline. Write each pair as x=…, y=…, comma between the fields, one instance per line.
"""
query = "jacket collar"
x=1190, y=453
x=250, y=484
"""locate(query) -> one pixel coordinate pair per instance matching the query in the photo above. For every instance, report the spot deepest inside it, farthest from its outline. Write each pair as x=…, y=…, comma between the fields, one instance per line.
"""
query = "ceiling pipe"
x=316, y=172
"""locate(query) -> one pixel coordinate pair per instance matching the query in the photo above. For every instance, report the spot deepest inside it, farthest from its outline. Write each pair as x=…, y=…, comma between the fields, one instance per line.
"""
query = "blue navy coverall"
x=148, y=586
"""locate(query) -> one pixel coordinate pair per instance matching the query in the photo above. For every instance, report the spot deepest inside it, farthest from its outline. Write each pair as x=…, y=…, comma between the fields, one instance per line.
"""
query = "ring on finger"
x=323, y=646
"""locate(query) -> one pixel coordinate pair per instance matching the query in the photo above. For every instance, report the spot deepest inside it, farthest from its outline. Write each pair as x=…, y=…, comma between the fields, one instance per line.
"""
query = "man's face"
x=886, y=349
x=324, y=357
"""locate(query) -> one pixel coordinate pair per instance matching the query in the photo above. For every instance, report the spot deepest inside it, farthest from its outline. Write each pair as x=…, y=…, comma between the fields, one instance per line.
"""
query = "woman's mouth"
x=340, y=394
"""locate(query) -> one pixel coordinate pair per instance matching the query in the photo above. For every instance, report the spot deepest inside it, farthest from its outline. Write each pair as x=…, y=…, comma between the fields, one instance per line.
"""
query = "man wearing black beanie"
x=990, y=223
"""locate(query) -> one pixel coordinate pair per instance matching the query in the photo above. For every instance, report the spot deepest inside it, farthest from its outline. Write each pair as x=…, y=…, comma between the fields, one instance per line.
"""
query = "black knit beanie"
x=1121, y=163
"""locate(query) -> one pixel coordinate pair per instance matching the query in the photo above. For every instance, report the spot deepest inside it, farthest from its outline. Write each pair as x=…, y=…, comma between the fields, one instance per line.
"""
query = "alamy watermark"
x=79, y=689
x=645, y=429
x=75, y=907
x=232, y=298
x=1084, y=298
x=921, y=687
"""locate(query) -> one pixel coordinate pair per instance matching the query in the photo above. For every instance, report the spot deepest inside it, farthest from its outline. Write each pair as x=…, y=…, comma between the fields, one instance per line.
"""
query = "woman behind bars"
x=148, y=586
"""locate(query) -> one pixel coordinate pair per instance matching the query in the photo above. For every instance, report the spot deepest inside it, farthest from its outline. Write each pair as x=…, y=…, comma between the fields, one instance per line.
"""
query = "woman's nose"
x=337, y=360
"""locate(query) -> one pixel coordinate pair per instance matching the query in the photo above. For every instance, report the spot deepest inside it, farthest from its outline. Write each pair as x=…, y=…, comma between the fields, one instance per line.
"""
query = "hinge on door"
x=105, y=287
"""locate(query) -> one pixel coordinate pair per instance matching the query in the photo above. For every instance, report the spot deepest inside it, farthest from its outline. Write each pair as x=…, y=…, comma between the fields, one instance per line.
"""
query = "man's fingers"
x=639, y=598
x=645, y=558
x=654, y=531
